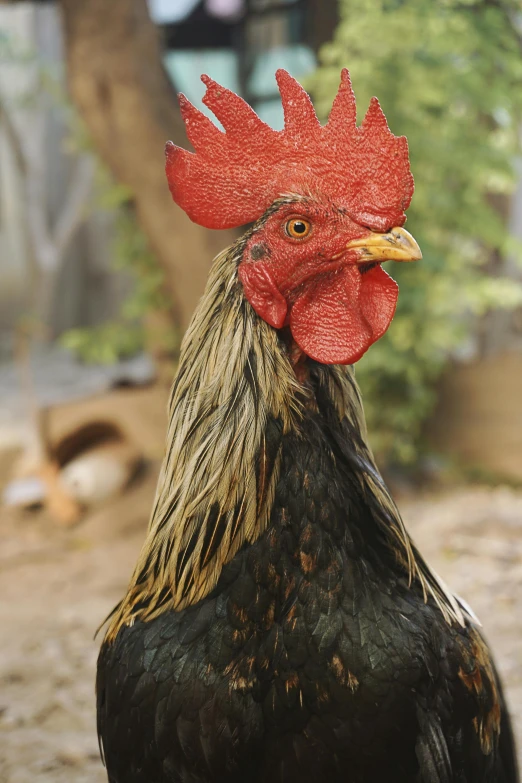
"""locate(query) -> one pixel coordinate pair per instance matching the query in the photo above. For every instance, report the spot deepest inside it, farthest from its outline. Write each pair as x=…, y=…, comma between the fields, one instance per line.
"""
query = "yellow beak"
x=397, y=245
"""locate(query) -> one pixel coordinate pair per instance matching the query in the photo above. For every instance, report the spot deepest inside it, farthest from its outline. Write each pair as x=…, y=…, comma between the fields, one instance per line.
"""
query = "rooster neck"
x=234, y=398
x=240, y=393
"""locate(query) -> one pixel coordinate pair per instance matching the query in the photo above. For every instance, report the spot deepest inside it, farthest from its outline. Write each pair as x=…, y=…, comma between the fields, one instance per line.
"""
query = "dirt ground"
x=57, y=585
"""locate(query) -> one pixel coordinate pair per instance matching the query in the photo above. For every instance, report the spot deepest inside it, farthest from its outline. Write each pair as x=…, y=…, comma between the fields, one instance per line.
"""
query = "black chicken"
x=280, y=625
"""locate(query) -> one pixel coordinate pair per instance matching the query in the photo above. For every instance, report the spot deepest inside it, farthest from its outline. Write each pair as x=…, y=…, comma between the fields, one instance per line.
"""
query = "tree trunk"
x=322, y=18
x=118, y=83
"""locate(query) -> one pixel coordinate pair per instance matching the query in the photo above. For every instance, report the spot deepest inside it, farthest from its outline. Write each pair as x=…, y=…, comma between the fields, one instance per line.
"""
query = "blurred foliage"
x=448, y=74
x=130, y=252
x=129, y=333
x=104, y=344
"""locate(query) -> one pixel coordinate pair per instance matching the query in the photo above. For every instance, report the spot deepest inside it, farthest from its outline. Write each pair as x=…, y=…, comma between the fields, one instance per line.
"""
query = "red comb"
x=234, y=176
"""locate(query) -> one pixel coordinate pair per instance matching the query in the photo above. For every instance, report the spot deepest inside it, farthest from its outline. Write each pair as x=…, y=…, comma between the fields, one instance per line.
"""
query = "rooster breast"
x=312, y=659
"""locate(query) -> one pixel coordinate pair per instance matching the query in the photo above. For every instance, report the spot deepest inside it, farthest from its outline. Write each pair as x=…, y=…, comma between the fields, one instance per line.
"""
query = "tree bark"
x=118, y=83
x=322, y=18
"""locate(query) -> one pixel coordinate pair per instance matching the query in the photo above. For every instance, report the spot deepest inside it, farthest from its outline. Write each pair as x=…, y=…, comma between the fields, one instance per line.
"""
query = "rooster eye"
x=298, y=228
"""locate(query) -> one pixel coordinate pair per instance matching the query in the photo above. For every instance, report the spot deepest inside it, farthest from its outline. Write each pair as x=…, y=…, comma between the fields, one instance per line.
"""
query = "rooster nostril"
x=363, y=268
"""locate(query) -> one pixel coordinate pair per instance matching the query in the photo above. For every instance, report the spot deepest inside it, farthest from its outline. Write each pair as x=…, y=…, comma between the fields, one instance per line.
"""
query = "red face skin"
x=335, y=306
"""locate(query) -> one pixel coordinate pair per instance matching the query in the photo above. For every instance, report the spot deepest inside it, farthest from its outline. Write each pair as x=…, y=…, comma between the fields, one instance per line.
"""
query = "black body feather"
x=313, y=658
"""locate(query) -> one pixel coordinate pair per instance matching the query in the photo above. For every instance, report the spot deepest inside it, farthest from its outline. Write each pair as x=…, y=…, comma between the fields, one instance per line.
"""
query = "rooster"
x=280, y=625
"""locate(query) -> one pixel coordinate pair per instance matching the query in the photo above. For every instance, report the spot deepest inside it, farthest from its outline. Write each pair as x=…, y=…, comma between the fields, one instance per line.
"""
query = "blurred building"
x=37, y=175
x=242, y=43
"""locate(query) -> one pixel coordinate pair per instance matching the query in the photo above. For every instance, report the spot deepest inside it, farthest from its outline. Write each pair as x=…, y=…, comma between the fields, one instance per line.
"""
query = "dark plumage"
x=312, y=659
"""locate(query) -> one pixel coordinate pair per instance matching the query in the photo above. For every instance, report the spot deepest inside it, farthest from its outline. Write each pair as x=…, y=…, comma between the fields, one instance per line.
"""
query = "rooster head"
x=327, y=203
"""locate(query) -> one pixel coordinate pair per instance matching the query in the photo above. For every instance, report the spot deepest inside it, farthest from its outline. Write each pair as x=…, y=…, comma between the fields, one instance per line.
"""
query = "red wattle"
x=338, y=316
